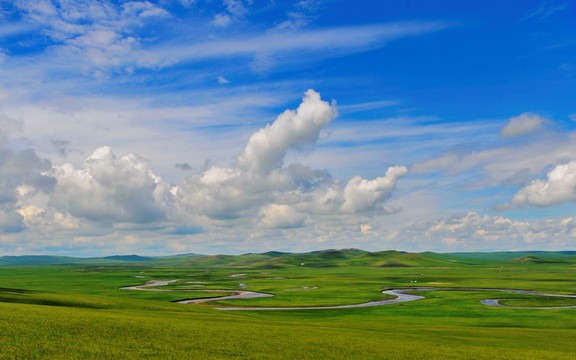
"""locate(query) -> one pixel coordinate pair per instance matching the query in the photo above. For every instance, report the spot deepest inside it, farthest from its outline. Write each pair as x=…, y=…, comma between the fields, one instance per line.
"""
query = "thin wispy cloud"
x=337, y=40
x=223, y=80
x=523, y=124
x=545, y=10
x=372, y=105
x=15, y=29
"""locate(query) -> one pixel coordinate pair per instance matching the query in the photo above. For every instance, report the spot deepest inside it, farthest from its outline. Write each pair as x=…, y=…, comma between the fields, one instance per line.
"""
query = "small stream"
x=401, y=295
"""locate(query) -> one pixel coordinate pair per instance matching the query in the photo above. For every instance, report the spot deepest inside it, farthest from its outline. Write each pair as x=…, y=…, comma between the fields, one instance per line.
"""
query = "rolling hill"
x=322, y=258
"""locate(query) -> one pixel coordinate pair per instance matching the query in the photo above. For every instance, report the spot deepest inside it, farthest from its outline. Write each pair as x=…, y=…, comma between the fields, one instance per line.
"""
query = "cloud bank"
x=258, y=191
x=21, y=177
x=477, y=232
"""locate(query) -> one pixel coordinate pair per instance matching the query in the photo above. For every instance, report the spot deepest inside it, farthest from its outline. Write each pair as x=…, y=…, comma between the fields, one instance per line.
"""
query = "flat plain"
x=75, y=309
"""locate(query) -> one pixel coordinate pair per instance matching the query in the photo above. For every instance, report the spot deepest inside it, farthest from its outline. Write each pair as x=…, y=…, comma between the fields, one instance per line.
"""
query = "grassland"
x=539, y=302
x=78, y=312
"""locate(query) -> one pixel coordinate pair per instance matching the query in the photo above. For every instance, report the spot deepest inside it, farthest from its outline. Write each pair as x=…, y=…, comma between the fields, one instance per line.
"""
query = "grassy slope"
x=79, y=313
x=325, y=258
x=41, y=332
x=491, y=257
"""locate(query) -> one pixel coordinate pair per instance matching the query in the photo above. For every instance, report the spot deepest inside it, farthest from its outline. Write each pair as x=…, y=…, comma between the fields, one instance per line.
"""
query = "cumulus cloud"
x=558, y=187
x=278, y=216
x=109, y=189
x=362, y=194
x=523, y=124
x=10, y=220
x=21, y=175
x=475, y=232
x=258, y=192
x=291, y=130
x=224, y=193
x=258, y=185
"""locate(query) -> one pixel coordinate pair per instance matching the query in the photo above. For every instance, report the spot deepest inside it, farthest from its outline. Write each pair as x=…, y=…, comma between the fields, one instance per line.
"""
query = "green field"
x=77, y=311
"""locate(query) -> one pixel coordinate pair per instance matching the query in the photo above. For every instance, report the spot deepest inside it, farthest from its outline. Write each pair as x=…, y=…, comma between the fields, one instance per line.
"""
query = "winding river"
x=401, y=295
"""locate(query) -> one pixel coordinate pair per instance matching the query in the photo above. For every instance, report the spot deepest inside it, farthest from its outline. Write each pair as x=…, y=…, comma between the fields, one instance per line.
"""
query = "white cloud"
x=223, y=80
x=365, y=228
x=323, y=42
x=235, y=7
x=107, y=197
x=523, y=124
x=545, y=10
x=235, y=10
x=139, y=124
x=372, y=105
x=222, y=20
x=363, y=195
x=109, y=189
x=99, y=35
x=439, y=163
x=292, y=130
x=475, y=232
x=231, y=192
x=8, y=30
x=48, y=220
x=188, y=3
x=259, y=183
x=558, y=187
x=493, y=163
x=20, y=176
x=294, y=21
x=278, y=216
x=103, y=38
x=304, y=13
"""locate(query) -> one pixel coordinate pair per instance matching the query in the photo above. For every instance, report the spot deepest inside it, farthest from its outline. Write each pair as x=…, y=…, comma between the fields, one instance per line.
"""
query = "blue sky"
x=233, y=126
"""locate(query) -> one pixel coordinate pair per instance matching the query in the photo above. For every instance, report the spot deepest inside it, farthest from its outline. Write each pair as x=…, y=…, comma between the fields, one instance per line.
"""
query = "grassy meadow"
x=77, y=311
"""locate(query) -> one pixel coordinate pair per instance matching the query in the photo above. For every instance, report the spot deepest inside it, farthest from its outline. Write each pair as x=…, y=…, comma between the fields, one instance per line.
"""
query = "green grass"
x=66, y=333
x=79, y=312
x=540, y=302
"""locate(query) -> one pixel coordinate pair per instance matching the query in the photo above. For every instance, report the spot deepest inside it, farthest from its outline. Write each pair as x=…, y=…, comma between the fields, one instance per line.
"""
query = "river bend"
x=401, y=296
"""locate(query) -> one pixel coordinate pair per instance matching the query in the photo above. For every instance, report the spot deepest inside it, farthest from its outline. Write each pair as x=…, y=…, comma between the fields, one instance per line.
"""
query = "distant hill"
x=127, y=258
x=513, y=257
x=538, y=260
x=274, y=253
x=36, y=260
x=322, y=258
